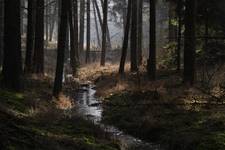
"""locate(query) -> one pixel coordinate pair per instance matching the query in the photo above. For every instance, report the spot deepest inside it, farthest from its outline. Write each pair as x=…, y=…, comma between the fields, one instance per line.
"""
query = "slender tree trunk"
x=152, y=48
x=76, y=31
x=133, y=38
x=189, y=43
x=1, y=31
x=73, y=48
x=88, y=32
x=39, y=39
x=104, y=30
x=126, y=39
x=140, y=31
x=96, y=24
x=47, y=17
x=81, y=38
x=12, y=65
x=61, y=48
x=30, y=36
x=180, y=5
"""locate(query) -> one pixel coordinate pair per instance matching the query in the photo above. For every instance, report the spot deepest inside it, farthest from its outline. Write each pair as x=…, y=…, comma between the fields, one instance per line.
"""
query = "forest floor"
x=164, y=111
x=33, y=120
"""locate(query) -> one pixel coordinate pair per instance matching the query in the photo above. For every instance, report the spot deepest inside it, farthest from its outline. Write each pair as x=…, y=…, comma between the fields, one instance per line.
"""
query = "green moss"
x=13, y=100
x=45, y=131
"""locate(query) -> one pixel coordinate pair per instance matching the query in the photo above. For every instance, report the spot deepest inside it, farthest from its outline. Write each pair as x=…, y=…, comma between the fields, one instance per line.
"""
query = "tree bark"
x=76, y=31
x=73, y=48
x=189, y=43
x=133, y=38
x=126, y=39
x=88, y=32
x=61, y=48
x=81, y=38
x=1, y=30
x=140, y=31
x=12, y=65
x=30, y=36
x=39, y=39
x=152, y=48
x=104, y=30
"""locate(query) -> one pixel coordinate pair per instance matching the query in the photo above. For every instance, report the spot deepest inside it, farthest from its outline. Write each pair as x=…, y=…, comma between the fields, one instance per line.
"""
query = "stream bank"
x=173, y=124
x=90, y=108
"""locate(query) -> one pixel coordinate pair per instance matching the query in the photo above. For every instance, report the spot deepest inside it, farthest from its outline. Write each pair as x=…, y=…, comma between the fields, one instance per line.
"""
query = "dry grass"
x=64, y=102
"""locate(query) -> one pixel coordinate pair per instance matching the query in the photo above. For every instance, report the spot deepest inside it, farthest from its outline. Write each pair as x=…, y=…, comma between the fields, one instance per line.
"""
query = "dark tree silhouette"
x=30, y=37
x=152, y=48
x=189, y=42
x=38, y=63
x=73, y=37
x=179, y=13
x=133, y=38
x=104, y=30
x=12, y=65
x=88, y=32
x=61, y=48
x=1, y=30
x=140, y=24
x=126, y=39
x=81, y=38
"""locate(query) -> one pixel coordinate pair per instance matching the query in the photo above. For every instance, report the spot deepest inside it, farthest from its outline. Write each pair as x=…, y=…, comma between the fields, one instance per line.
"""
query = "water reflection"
x=90, y=108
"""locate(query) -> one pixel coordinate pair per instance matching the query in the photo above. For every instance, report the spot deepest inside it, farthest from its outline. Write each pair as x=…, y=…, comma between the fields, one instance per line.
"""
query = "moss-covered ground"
x=172, y=123
x=30, y=120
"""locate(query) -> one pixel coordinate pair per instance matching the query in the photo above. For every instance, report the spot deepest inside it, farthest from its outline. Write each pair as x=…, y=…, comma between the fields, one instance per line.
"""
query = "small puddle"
x=89, y=108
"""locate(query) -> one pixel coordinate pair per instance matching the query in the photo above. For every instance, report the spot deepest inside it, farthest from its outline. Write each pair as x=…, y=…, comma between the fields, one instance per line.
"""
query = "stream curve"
x=90, y=108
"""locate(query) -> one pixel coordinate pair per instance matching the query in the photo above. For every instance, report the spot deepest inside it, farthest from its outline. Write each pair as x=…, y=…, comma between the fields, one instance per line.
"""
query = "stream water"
x=89, y=107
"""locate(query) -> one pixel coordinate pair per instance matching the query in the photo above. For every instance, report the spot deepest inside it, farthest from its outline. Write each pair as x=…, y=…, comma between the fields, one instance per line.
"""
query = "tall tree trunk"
x=47, y=17
x=189, y=42
x=81, y=38
x=61, y=48
x=133, y=38
x=179, y=6
x=73, y=48
x=96, y=24
x=104, y=30
x=12, y=65
x=126, y=39
x=152, y=48
x=76, y=31
x=88, y=32
x=140, y=31
x=1, y=30
x=30, y=36
x=39, y=39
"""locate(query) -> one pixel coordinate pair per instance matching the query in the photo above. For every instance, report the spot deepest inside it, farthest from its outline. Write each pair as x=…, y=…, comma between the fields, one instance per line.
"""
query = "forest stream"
x=90, y=108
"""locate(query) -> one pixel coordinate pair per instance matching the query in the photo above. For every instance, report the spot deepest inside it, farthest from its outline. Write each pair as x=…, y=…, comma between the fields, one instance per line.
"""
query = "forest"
x=112, y=75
